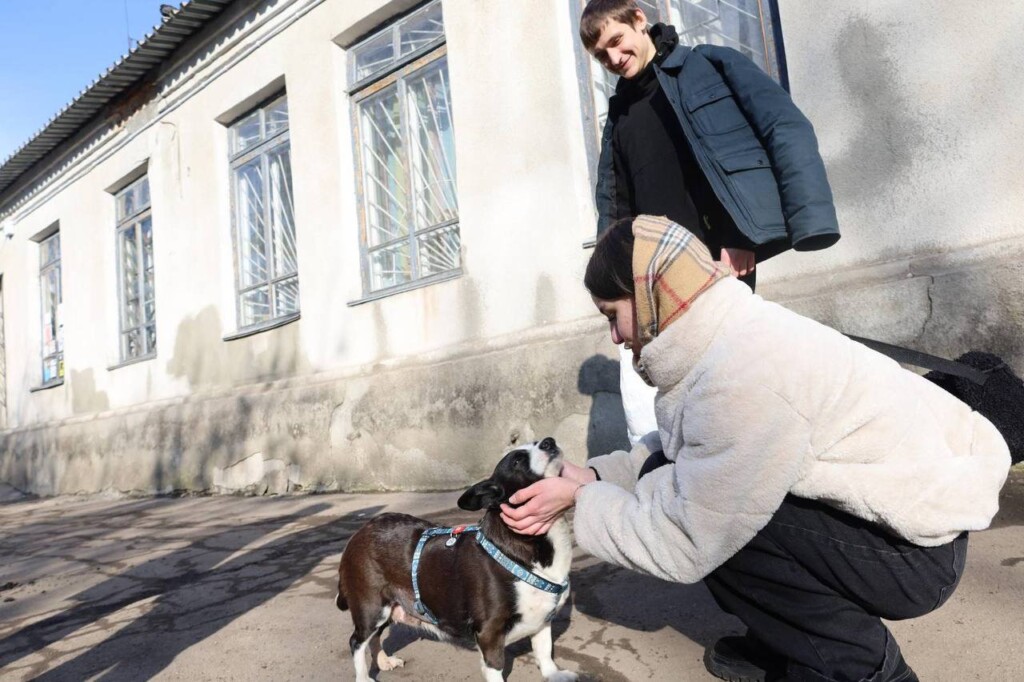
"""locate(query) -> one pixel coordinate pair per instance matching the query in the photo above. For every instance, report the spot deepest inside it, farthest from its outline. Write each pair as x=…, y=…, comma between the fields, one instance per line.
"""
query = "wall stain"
x=890, y=136
x=545, y=307
x=84, y=396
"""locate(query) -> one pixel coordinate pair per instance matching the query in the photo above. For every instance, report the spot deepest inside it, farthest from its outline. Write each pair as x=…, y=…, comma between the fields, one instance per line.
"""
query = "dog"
x=460, y=590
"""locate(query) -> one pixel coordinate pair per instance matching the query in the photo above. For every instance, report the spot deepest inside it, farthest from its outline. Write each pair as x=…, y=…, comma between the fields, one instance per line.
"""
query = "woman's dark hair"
x=610, y=270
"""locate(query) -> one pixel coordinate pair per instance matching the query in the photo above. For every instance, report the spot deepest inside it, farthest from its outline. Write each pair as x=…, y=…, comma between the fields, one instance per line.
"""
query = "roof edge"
x=178, y=25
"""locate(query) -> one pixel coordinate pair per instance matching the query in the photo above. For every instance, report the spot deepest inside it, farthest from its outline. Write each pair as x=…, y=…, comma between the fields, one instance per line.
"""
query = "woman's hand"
x=541, y=504
x=740, y=260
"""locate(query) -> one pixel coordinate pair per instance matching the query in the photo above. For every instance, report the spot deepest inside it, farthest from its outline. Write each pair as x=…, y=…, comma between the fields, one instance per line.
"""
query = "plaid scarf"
x=671, y=268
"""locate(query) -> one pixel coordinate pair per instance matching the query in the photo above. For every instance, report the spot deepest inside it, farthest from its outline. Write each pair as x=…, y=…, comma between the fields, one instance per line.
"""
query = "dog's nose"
x=548, y=444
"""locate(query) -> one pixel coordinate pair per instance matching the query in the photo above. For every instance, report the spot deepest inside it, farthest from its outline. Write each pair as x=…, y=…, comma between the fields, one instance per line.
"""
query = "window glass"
x=406, y=154
x=264, y=216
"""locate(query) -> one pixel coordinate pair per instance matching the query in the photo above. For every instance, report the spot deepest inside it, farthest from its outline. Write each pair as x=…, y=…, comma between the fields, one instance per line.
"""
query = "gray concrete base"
x=230, y=588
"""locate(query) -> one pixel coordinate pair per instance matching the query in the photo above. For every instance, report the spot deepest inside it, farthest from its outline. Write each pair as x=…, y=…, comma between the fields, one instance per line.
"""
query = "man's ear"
x=483, y=494
x=639, y=20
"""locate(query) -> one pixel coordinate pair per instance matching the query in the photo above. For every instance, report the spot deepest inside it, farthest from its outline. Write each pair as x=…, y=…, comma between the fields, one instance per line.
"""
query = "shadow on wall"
x=606, y=427
x=191, y=439
x=196, y=591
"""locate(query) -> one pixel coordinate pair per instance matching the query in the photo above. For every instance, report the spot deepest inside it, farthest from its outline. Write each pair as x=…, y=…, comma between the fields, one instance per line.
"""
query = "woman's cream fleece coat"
x=754, y=402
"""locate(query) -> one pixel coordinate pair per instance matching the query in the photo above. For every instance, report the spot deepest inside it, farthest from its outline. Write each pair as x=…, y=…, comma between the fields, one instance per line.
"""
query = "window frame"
x=357, y=84
x=123, y=224
x=237, y=159
x=45, y=268
x=397, y=74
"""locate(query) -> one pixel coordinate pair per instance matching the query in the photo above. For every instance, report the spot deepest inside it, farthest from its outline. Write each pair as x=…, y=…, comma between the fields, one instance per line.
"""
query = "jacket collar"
x=677, y=57
x=670, y=357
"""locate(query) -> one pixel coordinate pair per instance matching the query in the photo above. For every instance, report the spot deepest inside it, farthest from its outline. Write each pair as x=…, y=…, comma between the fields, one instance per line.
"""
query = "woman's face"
x=621, y=314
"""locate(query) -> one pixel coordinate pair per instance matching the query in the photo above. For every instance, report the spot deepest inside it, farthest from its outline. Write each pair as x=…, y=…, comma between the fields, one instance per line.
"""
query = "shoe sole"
x=731, y=670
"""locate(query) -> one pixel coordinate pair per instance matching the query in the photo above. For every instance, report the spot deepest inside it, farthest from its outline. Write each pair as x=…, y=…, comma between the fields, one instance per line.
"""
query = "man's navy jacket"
x=756, y=148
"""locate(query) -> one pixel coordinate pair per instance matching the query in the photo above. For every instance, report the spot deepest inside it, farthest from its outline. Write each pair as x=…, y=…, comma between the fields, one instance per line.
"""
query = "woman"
x=815, y=486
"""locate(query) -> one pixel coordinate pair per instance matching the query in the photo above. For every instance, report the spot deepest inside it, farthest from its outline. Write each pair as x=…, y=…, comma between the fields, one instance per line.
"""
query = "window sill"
x=408, y=286
x=263, y=327
x=590, y=243
x=52, y=384
x=133, y=361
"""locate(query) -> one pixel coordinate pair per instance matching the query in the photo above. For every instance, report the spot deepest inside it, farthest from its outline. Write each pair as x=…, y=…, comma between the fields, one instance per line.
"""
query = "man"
x=703, y=136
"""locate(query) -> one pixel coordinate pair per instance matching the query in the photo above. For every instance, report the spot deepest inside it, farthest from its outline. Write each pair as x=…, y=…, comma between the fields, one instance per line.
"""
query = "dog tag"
x=450, y=542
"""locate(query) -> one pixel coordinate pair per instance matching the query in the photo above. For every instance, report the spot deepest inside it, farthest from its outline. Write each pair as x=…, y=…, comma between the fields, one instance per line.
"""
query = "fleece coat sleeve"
x=621, y=468
x=738, y=449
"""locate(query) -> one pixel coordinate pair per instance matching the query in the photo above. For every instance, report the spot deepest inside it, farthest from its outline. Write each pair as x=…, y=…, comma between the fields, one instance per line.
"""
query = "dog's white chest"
x=536, y=606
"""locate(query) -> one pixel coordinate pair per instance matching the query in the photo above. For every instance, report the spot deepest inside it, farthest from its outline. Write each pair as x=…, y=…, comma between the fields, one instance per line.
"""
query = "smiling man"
x=703, y=136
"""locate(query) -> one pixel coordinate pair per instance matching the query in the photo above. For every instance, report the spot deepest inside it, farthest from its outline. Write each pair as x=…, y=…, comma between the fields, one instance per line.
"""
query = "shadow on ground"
x=182, y=597
x=639, y=602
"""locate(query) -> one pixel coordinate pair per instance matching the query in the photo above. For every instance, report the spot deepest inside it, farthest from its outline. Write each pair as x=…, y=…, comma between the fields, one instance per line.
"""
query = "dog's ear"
x=483, y=494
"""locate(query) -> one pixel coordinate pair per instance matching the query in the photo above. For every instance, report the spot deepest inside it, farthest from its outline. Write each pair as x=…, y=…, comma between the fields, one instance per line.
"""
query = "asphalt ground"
x=242, y=588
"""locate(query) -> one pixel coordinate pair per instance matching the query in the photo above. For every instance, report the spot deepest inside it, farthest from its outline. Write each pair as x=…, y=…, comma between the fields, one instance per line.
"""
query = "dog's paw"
x=562, y=676
x=385, y=662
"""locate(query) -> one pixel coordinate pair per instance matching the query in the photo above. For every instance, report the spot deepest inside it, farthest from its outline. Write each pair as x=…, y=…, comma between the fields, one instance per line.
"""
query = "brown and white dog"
x=469, y=593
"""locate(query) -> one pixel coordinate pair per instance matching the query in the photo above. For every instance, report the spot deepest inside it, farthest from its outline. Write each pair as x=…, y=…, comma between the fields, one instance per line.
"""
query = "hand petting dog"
x=538, y=506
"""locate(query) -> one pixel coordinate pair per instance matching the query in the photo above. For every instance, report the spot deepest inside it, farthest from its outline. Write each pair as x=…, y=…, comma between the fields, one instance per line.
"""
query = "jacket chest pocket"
x=714, y=111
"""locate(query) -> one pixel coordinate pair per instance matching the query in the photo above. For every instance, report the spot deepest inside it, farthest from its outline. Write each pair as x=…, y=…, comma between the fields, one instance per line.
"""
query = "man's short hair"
x=598, y=12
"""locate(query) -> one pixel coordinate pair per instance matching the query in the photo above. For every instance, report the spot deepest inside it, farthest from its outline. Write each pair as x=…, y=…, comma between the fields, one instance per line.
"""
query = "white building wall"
x=523, y=198
x=916, y=109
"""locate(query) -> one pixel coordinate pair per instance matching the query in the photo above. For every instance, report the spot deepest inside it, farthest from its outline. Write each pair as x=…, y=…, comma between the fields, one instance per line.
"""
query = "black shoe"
x=744, y=659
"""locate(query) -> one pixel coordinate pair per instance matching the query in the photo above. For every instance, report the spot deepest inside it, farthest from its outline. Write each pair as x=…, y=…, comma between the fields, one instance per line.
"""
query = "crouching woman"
x=814, y=485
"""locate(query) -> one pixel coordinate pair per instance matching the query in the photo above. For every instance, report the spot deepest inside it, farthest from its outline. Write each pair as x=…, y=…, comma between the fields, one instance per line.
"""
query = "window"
x=406, y=153
x=53, y=328
x=267, y=265
x=135, y=271
x=750, y=26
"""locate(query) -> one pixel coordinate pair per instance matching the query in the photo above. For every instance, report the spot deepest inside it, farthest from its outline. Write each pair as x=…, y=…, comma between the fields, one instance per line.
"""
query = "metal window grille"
x=749, y=26
x=136, y=293
x=53, y=328
x=263, y=208
x=405, y=141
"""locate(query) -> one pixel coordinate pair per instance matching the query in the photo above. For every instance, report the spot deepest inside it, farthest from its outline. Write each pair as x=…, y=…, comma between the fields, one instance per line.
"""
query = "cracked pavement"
x=233, y=588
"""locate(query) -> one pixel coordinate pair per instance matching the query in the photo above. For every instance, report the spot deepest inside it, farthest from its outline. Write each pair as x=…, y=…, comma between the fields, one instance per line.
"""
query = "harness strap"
x=518, y=571
x=528, y=577
x=421, y=608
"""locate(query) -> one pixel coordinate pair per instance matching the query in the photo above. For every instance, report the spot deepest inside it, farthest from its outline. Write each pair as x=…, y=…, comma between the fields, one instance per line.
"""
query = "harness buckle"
x=456, y=532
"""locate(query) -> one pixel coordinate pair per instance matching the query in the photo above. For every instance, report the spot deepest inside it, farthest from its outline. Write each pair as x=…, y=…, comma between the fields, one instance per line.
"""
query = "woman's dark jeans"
x=815, y=582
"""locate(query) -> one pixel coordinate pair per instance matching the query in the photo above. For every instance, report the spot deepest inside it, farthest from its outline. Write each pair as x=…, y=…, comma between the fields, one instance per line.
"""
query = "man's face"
x=624, y=49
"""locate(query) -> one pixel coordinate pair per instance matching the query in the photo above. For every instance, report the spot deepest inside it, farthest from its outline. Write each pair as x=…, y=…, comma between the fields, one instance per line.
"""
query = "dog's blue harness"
x=527, y=576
